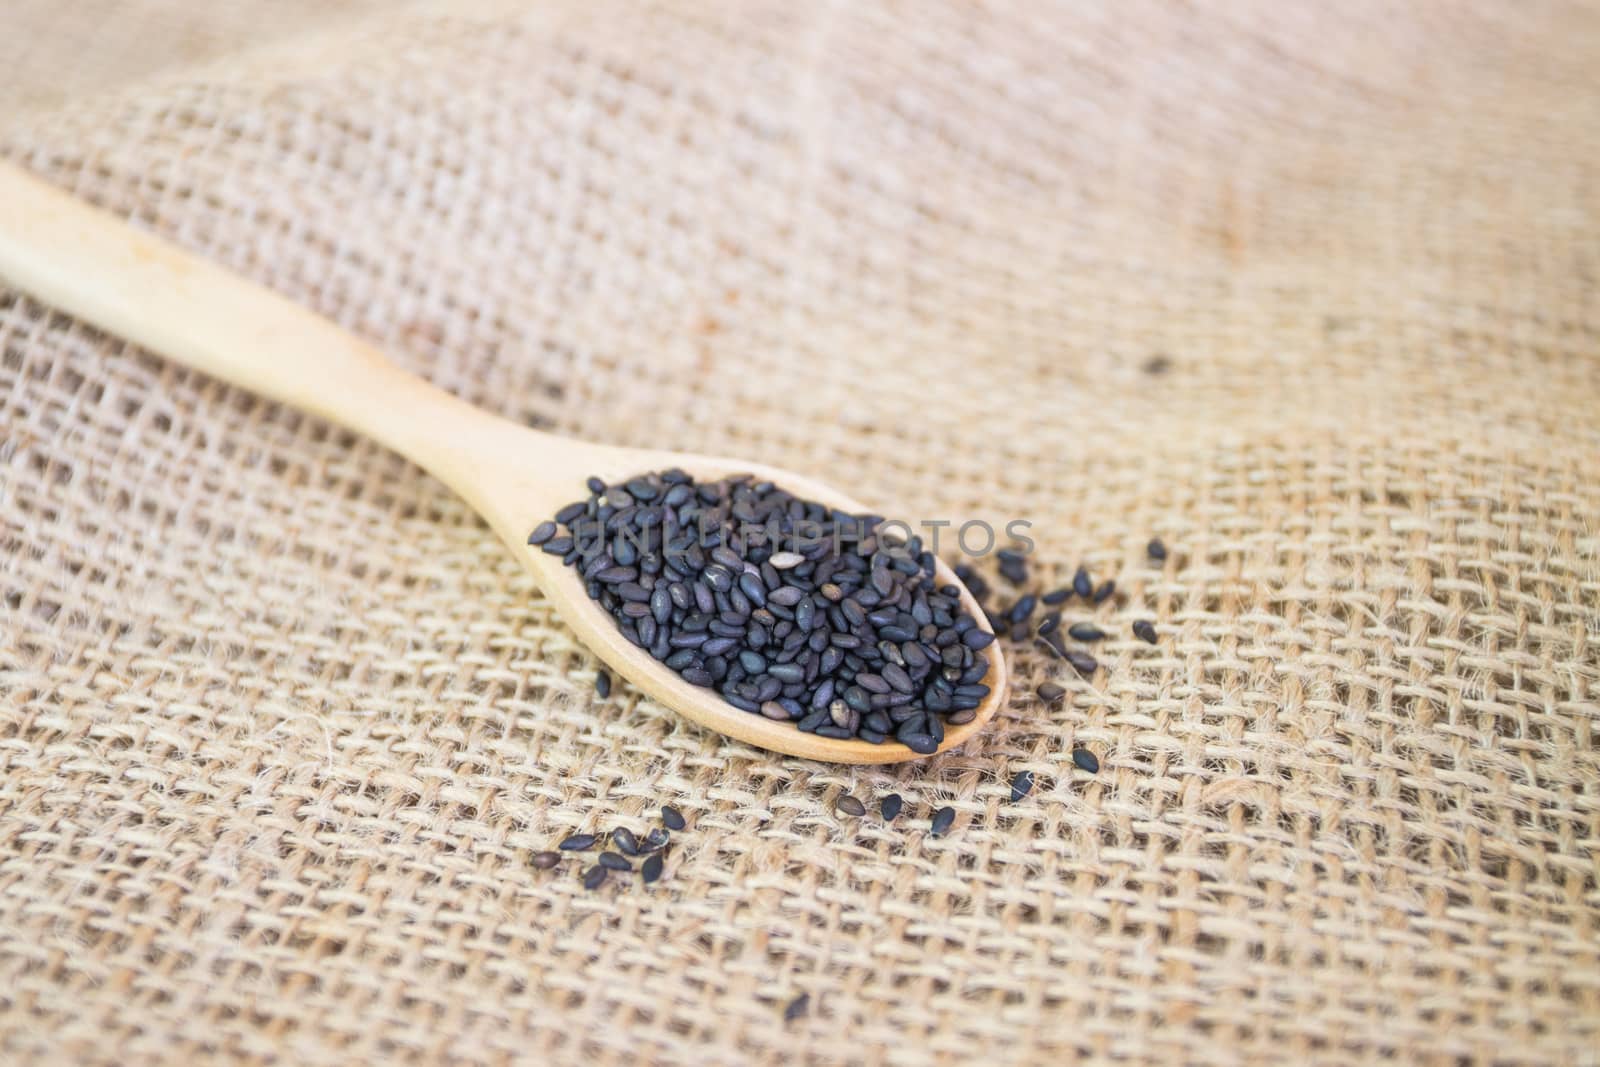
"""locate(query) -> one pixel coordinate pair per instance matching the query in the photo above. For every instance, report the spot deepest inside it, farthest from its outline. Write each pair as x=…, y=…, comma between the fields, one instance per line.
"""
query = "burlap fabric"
x=281, y=723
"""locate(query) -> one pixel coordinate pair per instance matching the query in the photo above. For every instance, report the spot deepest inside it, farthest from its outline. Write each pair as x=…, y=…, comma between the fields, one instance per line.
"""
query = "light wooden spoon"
x=97, y=268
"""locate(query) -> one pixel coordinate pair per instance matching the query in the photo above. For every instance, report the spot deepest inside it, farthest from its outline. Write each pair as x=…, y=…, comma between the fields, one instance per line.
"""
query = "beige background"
x=280, y=722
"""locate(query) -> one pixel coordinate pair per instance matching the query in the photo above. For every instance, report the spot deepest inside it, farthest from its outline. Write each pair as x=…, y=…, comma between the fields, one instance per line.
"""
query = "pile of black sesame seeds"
x=626, y=846
x=1014, y=621
x=787, y=608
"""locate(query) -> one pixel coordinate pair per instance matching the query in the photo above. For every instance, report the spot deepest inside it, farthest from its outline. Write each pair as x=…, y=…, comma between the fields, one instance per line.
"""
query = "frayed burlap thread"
x=1309, y=294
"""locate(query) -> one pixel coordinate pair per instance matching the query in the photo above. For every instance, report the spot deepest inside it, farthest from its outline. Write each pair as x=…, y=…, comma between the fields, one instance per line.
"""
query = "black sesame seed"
x=1156, y=549
x=1085, y=631
x=1145, y=630
x=614, y=862
x=672, y=818
x=577, y=843
x=882, y=582
x=572, y=511
x=594, y=877
x=650, y=870
x=1049, y=691
x=602, y=684
x=1021, y=785
x=849, y=805
x=542, y=533
x=942, y=821
x=1082, y=662
x=545, y=860
x=655, y=840
x=897, y=677
x=1085, y=760
x=1023, y=608
x=626, y=843
x=797, y=1007
x=889, y=807
x=872, y=683
x=1082, y=584
x=1057, y=596
x=716, y=646
x=1107, y=589
x=786, y=597
x=787, y=672
x=977, y=639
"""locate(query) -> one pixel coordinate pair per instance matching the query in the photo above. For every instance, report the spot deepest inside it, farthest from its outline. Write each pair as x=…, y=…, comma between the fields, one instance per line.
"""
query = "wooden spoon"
x=99, y=269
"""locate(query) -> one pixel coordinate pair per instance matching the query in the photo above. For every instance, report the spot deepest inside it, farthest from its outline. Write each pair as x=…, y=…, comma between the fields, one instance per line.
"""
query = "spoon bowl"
x=94, y=266
x=563, y=586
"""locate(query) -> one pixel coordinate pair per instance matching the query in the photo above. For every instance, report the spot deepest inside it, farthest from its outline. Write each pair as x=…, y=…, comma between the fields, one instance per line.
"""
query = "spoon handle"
x=134, y=285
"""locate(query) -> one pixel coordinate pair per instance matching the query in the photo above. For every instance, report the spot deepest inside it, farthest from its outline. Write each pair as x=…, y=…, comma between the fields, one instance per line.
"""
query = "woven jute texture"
x=1308, y=291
